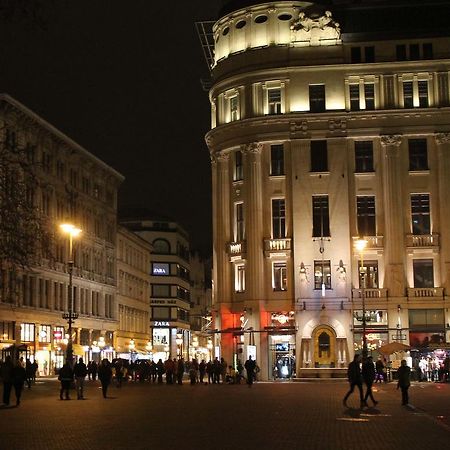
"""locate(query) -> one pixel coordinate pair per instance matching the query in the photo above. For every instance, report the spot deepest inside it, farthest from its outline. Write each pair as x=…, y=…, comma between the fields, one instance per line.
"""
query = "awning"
x=393, y=347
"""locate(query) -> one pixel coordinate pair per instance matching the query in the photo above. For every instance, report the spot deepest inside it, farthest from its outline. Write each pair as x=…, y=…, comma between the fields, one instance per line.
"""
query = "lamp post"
x=360, y=245
x=131, y=347
x=70, y=315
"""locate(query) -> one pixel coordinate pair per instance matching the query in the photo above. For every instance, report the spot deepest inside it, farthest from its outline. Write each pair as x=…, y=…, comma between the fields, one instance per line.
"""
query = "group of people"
x=13, y=375
x=432, y=369
x=365, y=372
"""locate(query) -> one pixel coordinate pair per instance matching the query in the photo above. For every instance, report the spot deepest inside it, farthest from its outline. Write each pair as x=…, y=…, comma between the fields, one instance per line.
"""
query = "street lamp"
x=179, y=341
x=131, y=346
x=70, y=315
x=360, y=245
x=101, y=345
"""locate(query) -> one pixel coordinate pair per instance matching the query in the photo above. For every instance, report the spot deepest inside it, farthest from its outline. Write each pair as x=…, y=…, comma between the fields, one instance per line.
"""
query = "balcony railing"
x=425, y=292
x=372, y=241
x=370, y=293
x=422, y=240
x=277, y=246
x=237, y=250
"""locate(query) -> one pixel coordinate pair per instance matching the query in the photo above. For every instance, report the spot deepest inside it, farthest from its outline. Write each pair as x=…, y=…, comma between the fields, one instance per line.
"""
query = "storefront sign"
x=159, y=323
x=161, y=336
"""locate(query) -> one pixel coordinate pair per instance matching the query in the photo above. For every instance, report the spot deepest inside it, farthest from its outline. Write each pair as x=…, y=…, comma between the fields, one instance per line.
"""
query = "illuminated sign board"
x=161, y=323
x=161, y=269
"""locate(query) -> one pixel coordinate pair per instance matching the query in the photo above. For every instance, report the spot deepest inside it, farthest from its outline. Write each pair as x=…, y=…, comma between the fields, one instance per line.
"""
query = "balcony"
x=375, y=242
x=422, y=240
x=370, y=293
x=277, y=247
x=237, y=250
x=425, y=292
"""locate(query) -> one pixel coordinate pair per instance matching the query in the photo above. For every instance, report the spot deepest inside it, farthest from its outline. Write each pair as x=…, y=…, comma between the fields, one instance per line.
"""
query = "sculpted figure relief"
x=315, y=30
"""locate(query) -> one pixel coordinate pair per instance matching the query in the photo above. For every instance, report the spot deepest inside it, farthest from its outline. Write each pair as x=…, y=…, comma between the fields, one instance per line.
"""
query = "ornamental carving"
x=316, y=31
x=391, y=140
x=222, y=157
x=443, y=138
x=254, y=147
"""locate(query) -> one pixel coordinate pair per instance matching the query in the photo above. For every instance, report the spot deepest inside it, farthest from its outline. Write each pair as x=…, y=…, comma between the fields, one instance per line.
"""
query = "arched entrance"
x=324, y=338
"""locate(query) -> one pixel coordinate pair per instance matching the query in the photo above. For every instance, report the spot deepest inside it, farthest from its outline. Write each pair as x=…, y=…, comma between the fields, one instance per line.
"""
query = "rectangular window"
x=239, y=221
x=321, y=218
x=239, y=283
x=355, y=55
x=427, y=50
x=423, y=273
x=234, y=108
x=279, y=218
x=274, y=100
x=420, y=214
x=414, y=52
x=238, y=166
x=408, y=98
x=319, y=156
x=401, y=52
x=419, y=318
x=363, y=156
x=276, y=160
x=160, y=269
x=369, y=95
x=161, y=290
x=365, y=210
x=418, y=154
x=368, y=274
x=317, y=98
x=322, y=274
x=45, y=334
x=160, y=313
x=354, y=97
x=279, y=276
x=423, y=93
x=369, y=53
x=27, y=332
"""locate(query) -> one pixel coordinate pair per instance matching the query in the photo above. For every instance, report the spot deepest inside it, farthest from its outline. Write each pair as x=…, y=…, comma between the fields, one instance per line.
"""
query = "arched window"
x=324, y=344
x=161, y=246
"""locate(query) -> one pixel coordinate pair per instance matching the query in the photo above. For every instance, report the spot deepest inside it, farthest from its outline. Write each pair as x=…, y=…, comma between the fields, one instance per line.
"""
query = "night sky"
x=122, y=78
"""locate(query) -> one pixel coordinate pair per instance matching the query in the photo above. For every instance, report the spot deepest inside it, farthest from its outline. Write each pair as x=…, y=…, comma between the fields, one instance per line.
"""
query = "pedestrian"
x=379, y=366
x=223, y=369
x=120, y=372
x=94, y=369
x=169, y=367
x=35, y=369
x=210, y=371
x=105, y=375
x=404, y=374
x=80, y=372
x=368, y=375
x=6, y=374
x=202, y=370
x=180, y=371
x=355, y=379
x=28, y=373
x=216, y=370
x=250, y=366
x=18, y=377
x=160, y=370
x=240, y=371
x=66, y=379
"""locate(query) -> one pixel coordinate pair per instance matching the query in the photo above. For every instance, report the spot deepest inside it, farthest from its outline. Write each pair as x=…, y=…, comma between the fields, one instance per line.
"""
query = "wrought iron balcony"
x=425, y=292
x=280, y=247
x=422, y=240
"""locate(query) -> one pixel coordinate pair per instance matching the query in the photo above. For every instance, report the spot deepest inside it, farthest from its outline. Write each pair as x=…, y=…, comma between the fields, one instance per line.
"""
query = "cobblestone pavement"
x=267, y=416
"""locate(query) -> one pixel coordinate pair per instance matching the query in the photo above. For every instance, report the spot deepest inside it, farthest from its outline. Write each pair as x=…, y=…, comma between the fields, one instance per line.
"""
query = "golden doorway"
x=324, y=347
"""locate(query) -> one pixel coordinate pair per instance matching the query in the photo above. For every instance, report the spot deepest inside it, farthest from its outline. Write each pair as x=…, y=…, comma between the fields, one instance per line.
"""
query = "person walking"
x=18, y=378
x=105, y=375
x=66, y=379
x=80, y=371
x=202, y=370
x=28, y=372
x=368, y=375
x=404, y=376
x=355, y=379
x=180, y=371
x=250, y=366
x=6, y=374
x=160, y=370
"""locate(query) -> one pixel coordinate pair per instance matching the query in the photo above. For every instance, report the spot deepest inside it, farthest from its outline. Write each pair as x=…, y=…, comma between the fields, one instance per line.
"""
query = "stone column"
x=443, y=153
x=394, y=235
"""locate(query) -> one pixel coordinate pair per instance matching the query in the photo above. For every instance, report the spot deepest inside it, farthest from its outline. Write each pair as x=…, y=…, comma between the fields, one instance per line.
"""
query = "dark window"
x=319, y=156
x=427, y=50
x=279, y=276
x=274, y=101
x=159, y=313
x=354, y=97
x=418, y=154
x=161, y=246
x=414, y=52
x=423, y=93
x=261, y=19
x=322, y=274
x=279, y=218
x=408, y=101
x=161, y=290
x=420, y=213
x=369, y=95
x=363, y=156
x=365, y=210
x=401, y=52
x=241, y=24
x=369, y=53
x=277, y=159
x=238, y=166
x=355, y=55
x=317, y=98
x=321, y=217
x=368, y=274
x=240, y=229
x=423, y=273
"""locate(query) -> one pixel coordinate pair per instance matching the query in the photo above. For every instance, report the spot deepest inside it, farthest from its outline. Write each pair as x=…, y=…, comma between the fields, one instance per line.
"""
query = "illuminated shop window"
x=27, y=331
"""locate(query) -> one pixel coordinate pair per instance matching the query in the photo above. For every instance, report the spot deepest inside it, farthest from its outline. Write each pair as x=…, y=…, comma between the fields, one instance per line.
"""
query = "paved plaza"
x=267, y=416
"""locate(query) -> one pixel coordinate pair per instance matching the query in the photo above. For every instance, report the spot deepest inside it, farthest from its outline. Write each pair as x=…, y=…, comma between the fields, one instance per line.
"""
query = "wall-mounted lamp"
x=302, y=267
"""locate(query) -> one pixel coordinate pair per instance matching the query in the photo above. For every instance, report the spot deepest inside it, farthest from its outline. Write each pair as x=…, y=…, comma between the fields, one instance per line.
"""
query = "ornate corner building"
x=330, y=121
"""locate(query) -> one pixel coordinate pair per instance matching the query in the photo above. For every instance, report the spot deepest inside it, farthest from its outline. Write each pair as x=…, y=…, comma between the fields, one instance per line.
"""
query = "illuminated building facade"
x=330, y=120
x=74, y=186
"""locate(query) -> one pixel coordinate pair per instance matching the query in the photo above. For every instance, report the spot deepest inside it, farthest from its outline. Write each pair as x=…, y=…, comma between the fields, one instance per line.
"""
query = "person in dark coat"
x=29, y=372
x=250, y=366
x=66, y=379
x=6, y=374
x=18, y=377
x=160, y=370
x=368, y=375
x=355, y=379
x=105, y=375
x=80, y=372
x=202, y=370
x=180, y=371
x=404, y=375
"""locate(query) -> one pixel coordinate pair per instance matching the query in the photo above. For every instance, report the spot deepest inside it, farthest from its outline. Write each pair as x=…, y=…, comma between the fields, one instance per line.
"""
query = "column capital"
x=442, y=138
x=253, y=147
x=392, y=140
x=222, y=157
